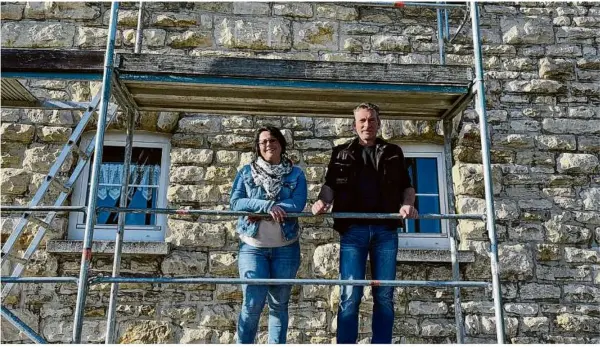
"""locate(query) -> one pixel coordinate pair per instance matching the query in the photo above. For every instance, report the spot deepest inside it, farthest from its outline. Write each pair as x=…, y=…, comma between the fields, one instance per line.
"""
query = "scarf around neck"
x=270, y=176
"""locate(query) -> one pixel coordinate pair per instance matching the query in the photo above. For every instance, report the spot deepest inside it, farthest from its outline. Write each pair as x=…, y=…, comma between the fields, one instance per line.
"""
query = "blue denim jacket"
x=247, y=196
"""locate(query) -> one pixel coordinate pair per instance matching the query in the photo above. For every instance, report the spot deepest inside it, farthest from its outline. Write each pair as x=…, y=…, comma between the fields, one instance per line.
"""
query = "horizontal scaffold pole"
x=39, y=279
x=295, y=281
x=343, y=215
x=20, y=209
x=400, y=4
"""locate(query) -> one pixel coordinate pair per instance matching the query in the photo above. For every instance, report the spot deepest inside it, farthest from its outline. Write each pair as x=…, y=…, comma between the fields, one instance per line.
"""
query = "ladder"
x=52, y=179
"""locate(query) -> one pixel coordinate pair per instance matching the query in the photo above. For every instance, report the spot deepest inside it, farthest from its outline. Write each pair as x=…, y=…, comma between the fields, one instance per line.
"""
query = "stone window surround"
x=142, y=233
x=428, y=241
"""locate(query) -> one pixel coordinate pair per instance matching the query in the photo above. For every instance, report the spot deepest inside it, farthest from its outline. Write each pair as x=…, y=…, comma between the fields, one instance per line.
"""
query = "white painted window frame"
x=155, y=233
x=424, y=240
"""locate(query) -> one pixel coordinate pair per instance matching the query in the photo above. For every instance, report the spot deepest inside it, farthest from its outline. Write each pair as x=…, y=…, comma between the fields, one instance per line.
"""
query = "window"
x=149, y=175
x=427, y=170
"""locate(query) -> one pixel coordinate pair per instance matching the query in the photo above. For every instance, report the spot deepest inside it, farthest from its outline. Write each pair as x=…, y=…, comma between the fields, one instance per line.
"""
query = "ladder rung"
x=14, y=258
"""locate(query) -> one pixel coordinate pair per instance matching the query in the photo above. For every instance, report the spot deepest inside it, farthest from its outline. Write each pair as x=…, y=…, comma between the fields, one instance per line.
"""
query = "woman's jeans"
x=381, y=244
x=278, y=262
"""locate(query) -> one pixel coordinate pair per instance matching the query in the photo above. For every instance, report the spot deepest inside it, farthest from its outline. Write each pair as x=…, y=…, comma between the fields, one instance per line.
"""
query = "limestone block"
x=190, y=39
x=555, y=142
x=14, y=181
x=526, y=232
x=468, y=205
x=87, y=37
x=218, y=316
x=567, y=322
x=192, y=194
x=488, y=325
x=315, y=174
x=437, y=327
x=186, y=174
x=316, y=35
x=12, y=155
x=17, y=132
x=174, y=19
x=563, y=273
x=308, y=319
x=326, y=260
x=591, y=89
x=179, y=313
x=578, y=255
x=575, y=34
x=296, y=10
x=12, y=11
x=297, y=123
x=187, y=140
x=253, y=33
x=468, y=179
x=312, y=144
x=253, y=8
x=228, y=292
x=196, y=234
x=71, y=10
x=180, y=156
x=197, y=335
x=592, y=63
x=534, y=86
x=516, y=262
x=356, y=44
x=198, y=124
x=559, y=232
x=182, y=263
x=425, y=307
x=570, y=126
x=577, y=163
x=36, y=10
x=558, y=69
x=534, y=291
x=220, y=174
x=519, y=64
x=223, y=263
x=318, y=157
x=53, y=134
x=232, y=142
x=581, y=293
x=528, y=30
x=522, y=309
x=148, y=331
x=332, y=11
x=591, y=198
x=391, y=43
x=39, y=158
x=150, y=38
x=406, y=326
x=582, y=112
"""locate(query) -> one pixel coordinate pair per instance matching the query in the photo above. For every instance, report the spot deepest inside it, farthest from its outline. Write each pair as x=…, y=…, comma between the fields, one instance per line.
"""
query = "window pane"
x=144, y=171
x=423, y=174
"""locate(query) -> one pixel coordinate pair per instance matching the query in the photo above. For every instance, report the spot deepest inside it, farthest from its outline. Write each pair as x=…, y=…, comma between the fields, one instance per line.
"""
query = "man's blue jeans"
x=381, y=244
x=253, y=262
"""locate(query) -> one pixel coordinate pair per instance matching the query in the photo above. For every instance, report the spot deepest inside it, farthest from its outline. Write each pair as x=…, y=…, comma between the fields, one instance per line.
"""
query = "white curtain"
x=111, y=173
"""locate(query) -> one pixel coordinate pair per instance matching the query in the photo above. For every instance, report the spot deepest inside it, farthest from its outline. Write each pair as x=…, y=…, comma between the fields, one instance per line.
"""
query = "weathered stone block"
x=563, y=273
x=570, y=126
x=516, y=262
x=190, y=39
x=181, y=263
x=14, y=181
x=199, y=124
x=181, y=156
x=223, y=263
x=559, y=232
x=468, y=179
x=577, y=163
x=255, y=33
x=333, y=11
x=147, y=331
x=253, y=8
x=197, y=234
x=559, y=69
x=192, y=194
x=150, y=38
x=232, y=142
x=198, y=335
x=555, y=142
x=534, y=86
x=391, y=43
x=535, y=324
x=591, y=198
x=326, y=260
x=424, y=307
x=295, y=10
x=39, y=158
x=87, y=37
x=534, y=291
x=575, y=323
x=526, y=232
x=12, y=11
x=529, y=30
x=522, y=309
x=17, y=132
x=581, y=293
x=218, y=316
x=578, y=255
x=53, y=134
x=437, y=327
x=316, y=35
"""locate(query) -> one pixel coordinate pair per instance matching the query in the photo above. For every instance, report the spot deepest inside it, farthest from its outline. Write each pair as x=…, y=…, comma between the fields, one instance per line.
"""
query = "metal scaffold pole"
x=487, y=172
x=86, y=253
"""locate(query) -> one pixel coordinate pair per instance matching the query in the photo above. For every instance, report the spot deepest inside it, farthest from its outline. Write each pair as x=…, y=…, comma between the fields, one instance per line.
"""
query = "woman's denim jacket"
x=247, y=196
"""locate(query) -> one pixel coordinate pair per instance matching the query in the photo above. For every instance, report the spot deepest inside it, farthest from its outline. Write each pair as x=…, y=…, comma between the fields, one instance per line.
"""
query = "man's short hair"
x=368, y=106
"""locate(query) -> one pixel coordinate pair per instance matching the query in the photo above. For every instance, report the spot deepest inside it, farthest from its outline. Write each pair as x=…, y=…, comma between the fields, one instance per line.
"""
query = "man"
x=367, y=175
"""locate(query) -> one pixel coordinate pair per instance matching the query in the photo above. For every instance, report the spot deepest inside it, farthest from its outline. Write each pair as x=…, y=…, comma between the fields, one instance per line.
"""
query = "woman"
x=269, y=247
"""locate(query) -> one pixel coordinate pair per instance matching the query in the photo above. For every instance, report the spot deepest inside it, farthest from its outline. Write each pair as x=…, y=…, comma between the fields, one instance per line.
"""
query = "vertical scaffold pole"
x=86, y=254
x=487, y=170
x=460, y=329
x=139, y=31
x=114, y=289
x=440, y=36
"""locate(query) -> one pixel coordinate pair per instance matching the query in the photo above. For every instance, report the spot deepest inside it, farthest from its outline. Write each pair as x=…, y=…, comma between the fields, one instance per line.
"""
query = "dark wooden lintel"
x=51, y=60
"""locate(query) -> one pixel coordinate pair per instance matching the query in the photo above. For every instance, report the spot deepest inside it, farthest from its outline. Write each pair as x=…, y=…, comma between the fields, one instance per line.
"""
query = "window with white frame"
x=427, y=171
x=149, y=177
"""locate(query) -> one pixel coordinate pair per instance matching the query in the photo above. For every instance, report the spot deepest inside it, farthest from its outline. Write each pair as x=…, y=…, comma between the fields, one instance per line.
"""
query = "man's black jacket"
x=341, y=183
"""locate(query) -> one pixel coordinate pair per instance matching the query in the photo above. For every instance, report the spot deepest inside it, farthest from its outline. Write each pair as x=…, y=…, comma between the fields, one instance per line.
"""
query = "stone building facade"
x=543, y=92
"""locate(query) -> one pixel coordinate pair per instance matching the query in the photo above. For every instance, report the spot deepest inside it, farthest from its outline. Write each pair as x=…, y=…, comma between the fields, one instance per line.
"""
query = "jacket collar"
x=380, y=144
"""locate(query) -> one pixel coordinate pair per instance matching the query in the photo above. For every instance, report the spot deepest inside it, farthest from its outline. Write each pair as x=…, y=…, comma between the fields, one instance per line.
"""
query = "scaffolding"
x=132, y=72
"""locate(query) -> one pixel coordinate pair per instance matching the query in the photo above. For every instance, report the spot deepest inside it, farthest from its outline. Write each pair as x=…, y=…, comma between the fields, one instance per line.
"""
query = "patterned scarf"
x=270, y=176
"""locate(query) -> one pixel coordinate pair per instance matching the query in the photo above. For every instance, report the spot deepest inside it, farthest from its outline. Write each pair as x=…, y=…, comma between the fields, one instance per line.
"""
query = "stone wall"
x=542, y=80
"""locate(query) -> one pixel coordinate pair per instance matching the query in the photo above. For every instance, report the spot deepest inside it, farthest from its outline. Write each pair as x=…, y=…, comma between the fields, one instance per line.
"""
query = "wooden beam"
x=50, y=60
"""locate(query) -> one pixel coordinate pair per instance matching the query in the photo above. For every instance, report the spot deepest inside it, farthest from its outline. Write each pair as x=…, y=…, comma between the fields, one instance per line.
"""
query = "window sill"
x=108, y=247
x=433, y=256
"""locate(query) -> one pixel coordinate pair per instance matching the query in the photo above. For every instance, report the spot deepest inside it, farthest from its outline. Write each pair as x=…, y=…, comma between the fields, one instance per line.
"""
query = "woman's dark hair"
x=275, y=132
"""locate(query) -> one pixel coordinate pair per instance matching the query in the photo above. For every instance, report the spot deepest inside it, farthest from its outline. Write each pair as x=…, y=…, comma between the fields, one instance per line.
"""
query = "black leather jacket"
x=341, y=184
